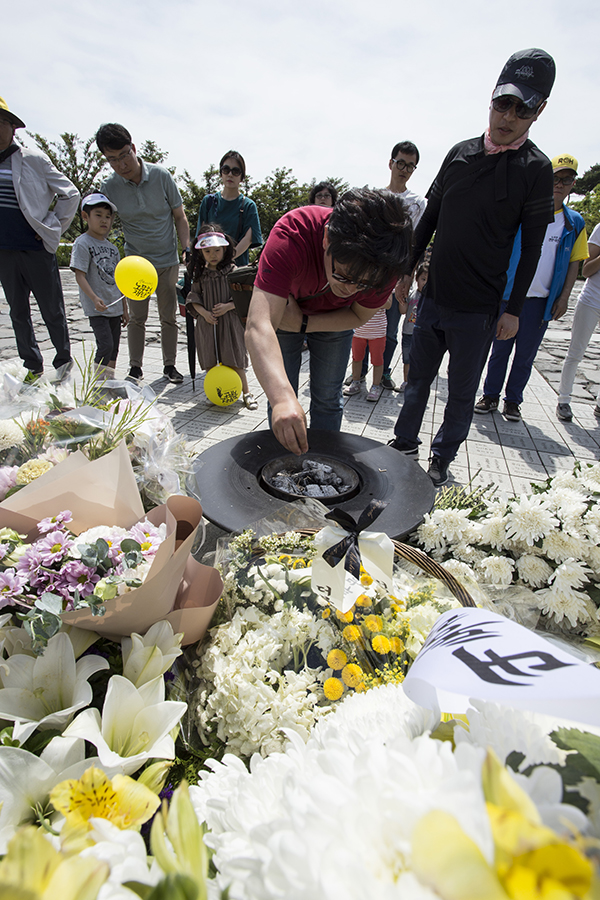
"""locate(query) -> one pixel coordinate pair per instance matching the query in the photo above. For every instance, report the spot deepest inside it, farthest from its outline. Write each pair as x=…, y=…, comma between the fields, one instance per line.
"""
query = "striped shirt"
x=374, y=328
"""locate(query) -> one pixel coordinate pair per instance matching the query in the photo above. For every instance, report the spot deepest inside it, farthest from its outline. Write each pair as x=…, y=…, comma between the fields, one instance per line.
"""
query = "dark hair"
x=197, y=263
x=237, y=156
x=370, y=234
x=112, y=136
x=101, y=205
x=421, y=270
x=406, y=147
x=322, y=186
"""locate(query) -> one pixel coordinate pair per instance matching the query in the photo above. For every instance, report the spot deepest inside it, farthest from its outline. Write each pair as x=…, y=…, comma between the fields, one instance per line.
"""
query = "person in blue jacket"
x=565, y=245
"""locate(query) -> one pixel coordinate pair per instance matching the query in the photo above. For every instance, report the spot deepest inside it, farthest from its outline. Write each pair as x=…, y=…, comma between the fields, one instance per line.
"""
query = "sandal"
x=250, y=401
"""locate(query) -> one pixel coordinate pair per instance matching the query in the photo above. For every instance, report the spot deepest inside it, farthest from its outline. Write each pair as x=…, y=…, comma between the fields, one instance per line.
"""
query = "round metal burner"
x=293, y=477
x=228, y=480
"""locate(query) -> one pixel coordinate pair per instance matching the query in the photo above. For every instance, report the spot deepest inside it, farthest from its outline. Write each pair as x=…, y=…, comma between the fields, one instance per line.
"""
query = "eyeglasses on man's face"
x=233, y=170
x=565, y=181
x=404, y=166
x=522, y=111
x=118, y=160
x=359, y=285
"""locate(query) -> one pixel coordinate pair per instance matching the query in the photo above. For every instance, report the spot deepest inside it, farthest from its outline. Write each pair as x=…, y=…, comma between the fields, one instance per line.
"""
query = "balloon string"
x=216, y=345
x=112, y=303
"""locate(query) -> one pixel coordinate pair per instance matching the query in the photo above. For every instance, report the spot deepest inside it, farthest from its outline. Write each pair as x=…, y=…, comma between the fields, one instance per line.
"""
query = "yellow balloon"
x=222, y=385
x=136, y=277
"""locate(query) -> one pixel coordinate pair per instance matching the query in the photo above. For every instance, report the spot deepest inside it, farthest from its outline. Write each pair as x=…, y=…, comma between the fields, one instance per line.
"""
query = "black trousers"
x=23, y=272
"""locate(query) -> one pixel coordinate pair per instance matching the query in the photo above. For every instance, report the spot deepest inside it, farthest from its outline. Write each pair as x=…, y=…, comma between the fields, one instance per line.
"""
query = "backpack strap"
x=240, y=221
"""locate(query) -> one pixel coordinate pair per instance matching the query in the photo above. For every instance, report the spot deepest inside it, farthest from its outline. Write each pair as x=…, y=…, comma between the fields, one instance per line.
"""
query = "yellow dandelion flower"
x=363, y=600
x=381, y=644
x=299, y=563
x=326, y=613
x=373, y=623
x=286, y=559
x=123, y=801
x=366, y=580
x=333, y=688
x=345, y=617
x=336, y=659
x=397, y=646
x=351, y=633
x=352, y=675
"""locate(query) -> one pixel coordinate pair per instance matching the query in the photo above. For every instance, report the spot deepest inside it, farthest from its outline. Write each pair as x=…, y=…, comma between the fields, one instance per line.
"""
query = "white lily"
x=45, y=691
x=26, y=780
x=134, y=726
x=146, y=657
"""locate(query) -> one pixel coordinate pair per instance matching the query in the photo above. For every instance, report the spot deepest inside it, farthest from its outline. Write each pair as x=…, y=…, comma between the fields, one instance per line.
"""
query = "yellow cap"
x=13, y=119
x=564, y=161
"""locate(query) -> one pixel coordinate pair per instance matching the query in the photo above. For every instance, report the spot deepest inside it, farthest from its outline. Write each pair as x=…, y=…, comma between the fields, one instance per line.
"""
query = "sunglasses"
x=567, y=181
x=522, y=111
x=359, y=285
x=401, y=165
x=235, y=170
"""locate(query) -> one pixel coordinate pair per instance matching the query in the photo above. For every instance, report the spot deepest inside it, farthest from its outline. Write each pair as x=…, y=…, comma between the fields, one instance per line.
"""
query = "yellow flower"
x=366, y=580
x=336, y=659
x=373, y=623
x=352, y=675
x=326, y=613
x=363, y=600
x=32, y=469
x=285, y=559
x=381, y=644
x=177, y=842
x=345, y=617
x=352, y=633
x=123, y=801
x=396, y=645
x=360, y=688
x=33, y=870
x=299, y=563
x=333, y=688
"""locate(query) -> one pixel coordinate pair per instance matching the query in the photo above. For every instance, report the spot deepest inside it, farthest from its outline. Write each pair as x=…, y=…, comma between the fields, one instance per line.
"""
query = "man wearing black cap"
x=29, y=237
x=486, y=188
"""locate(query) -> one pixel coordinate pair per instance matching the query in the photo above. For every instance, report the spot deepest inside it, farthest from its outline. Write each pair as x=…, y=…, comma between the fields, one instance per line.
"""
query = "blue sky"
x=325, y=87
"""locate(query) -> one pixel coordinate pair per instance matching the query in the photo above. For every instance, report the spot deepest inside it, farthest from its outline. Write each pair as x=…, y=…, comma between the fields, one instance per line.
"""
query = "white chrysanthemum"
x=461, y=570
x=507, y=730
x=429, y=535
x=497, y=569
x=534, y=570
x=591, y=555
x=569, y=506
x=560, y=546
x=421, y=620
x=10, y=434
x=544, y=786
x=567, y=480
x=335, y=817
x=590, y=477
x=591, y=521
x=529, y=519
x=454, y=524
x=492, y=531
x=468, y=553
x=559, y=605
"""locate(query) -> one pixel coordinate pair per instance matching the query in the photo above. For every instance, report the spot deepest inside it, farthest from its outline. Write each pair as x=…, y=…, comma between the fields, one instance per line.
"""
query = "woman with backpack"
x=237, y=214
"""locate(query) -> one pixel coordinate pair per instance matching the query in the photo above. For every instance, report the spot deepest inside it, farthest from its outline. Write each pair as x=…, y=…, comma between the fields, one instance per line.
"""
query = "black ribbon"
x=348, y=546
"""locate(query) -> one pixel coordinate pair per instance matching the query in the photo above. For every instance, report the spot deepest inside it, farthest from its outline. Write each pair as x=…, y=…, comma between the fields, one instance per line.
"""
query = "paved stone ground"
x=509, y=454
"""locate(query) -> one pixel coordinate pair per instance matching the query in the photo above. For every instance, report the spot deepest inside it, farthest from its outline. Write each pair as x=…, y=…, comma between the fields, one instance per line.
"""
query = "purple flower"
x=53, y=522
x=54, y=547
x=11, y=587
x=28, y=565
x=80, y=577
x=8, y=479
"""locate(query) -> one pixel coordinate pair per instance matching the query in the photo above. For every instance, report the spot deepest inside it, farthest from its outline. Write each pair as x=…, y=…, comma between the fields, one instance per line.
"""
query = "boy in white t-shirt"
x=547, y=297
x=94, y=259
x=587, y=315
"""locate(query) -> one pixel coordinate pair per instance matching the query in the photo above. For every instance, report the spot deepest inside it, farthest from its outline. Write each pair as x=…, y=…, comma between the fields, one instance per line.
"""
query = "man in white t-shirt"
x=547, y=297
x=402, y=164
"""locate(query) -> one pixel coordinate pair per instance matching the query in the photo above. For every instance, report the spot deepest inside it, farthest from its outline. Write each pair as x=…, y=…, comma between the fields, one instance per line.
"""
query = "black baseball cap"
x=528, y=75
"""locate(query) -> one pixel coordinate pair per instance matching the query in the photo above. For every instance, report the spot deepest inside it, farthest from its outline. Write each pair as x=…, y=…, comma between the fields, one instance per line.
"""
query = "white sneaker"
x=375, y=393
x=402, y=386
x=352, y=388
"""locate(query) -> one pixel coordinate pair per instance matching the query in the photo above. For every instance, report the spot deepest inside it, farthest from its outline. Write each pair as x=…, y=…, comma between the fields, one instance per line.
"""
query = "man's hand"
x=402, y=287
x=291, y=319
x=507, y=327
x=559, y=308
x=288, y=422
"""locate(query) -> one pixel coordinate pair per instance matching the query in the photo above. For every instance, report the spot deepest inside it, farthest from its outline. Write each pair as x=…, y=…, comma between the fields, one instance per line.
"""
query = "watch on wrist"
x=304, y=324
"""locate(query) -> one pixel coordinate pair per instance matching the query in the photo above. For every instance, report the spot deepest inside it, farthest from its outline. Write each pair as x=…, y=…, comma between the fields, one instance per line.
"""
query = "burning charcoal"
x=320, y=490
x=283, y=482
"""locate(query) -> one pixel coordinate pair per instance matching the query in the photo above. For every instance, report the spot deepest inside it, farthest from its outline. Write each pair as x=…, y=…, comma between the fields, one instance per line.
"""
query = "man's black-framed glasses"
x=359, y=285
x=522, y=111
x=565, y=181
x=404, y=166
x=235, y=170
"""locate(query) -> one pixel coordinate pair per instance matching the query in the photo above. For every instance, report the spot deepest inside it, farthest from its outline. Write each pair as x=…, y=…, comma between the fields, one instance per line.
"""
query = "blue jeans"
x=526, y=342
x=467, y=337
x=393, y=316
x=329, y=354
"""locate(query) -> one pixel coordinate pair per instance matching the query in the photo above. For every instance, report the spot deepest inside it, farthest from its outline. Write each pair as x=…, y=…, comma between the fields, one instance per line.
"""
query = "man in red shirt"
x=323, y=272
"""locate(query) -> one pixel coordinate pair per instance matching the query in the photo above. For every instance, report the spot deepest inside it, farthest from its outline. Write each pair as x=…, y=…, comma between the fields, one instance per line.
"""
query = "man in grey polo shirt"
x=151, y=212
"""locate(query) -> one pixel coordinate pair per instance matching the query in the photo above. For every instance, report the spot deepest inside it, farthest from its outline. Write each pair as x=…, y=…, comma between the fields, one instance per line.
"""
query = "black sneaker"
x=350, y=379
x=173, y=375
x=136, y=373
x=438, y=470
x=511, y=411
x=564, y=412
x=388, y=383
x=487, y=404
x=402, y=447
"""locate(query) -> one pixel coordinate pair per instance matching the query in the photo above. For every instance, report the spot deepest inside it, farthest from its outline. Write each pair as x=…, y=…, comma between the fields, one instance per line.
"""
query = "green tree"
x=589, y=208
x=82, y=165
x=588, y=181
x=151, y=152
x=276, y=195
x=338, y=183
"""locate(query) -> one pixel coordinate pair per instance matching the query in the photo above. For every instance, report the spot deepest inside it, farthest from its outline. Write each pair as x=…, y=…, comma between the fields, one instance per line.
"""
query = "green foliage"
x=63, y=255
x=588, y=181
x=589, y=208
x=276, y=195
x=193, y=193
x=82, y=165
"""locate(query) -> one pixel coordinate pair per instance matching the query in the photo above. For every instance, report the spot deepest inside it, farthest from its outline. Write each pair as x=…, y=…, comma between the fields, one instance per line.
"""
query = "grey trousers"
x=166, y=298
